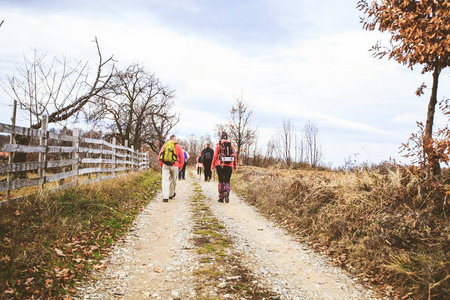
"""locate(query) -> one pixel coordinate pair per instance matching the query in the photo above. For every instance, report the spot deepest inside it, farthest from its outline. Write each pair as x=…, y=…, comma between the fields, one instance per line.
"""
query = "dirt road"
x=196, y=248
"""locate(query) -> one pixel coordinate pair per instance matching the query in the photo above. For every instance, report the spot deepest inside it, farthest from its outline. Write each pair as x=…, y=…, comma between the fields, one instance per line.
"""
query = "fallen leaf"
x=5, y=259
x=59, y=252
x=98, y=267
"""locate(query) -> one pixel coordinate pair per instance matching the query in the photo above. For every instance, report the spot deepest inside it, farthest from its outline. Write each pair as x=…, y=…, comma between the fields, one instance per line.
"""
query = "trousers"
x=169, y=180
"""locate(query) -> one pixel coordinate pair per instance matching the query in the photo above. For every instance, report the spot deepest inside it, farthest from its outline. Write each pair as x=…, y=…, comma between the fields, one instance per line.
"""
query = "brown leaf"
x=98, y=267
x=5, y=259
x=59, y=252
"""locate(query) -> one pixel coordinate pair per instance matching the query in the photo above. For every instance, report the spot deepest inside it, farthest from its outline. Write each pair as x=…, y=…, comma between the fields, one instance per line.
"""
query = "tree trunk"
x=436, y=168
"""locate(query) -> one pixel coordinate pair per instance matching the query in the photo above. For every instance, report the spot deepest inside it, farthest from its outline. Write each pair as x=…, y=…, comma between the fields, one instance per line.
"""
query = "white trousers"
x=169, y=180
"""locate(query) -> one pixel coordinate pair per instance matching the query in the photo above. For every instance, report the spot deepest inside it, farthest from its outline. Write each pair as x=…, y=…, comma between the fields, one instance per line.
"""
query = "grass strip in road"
x=51, y=241
x=221, y=271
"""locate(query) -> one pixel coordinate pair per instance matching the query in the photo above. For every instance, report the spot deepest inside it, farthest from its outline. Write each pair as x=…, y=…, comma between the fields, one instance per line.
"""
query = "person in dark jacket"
x=207, y=158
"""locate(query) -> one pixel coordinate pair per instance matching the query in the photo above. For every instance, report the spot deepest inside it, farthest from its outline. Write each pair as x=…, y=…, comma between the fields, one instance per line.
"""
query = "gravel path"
x=158, y=259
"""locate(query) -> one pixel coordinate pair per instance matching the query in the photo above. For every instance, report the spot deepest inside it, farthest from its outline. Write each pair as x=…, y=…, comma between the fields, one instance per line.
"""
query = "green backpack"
x=169, y=155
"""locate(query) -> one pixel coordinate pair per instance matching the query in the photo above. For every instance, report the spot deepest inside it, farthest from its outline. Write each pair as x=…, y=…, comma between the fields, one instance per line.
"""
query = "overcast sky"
x=293, y=59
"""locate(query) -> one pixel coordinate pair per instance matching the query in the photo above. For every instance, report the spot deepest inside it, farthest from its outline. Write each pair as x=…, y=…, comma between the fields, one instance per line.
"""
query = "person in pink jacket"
x=224, y=162
x=170, y=172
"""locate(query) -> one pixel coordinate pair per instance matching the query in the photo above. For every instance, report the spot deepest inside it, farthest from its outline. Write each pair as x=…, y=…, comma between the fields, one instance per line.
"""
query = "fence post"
x=11, y=154
x=133, y=160
x=139, y=159
x=90, y=155
x=76, y=155
x=126, y=157
x=99, y=165
x=114, y=158
x=63, y=169
x=43, y=141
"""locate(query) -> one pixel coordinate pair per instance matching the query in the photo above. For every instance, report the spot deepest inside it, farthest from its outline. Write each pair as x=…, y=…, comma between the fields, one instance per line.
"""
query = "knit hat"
x=224, y=135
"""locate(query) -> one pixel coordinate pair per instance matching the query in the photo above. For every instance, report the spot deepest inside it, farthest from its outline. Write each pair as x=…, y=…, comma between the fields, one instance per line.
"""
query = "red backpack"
x=226, y=153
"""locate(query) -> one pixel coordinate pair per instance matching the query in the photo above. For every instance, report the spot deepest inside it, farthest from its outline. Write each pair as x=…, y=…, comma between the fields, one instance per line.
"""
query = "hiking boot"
x=173, y=195
x=225, y=197
x=166, y=200
x=221, y=200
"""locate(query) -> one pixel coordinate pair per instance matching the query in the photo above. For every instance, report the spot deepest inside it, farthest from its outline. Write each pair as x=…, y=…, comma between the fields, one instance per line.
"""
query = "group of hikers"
x=173, y=158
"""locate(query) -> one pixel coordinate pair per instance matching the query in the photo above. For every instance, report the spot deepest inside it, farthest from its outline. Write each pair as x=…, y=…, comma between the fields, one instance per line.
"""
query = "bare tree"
x=299, y=149
x=271, y=149
x=239, y=128
x=283, y=140
x=158, y=125
x=136, y=105
x=195, y=145
x=256, y=153
x=58, y=88
x=312, y=149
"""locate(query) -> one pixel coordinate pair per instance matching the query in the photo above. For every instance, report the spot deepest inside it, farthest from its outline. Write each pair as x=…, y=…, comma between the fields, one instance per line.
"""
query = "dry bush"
x=392, y=229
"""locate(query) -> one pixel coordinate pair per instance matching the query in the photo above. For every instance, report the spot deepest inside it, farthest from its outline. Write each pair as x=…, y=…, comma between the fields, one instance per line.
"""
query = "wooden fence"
x=61, y=161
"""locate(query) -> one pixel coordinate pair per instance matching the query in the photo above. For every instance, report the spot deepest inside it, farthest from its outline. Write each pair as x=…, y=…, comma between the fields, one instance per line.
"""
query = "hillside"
x=391, y=230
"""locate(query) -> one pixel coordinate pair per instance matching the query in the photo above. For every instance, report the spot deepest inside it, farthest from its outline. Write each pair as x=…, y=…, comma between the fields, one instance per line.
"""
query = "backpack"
x=169, y=155
x=207, y=155
x=226, y=154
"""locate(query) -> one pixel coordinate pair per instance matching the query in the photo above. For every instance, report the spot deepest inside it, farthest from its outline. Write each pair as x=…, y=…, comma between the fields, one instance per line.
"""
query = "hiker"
x=182, y=173
x=207, y=157
x=224, y=161
x=171, y=159
x=199, y=164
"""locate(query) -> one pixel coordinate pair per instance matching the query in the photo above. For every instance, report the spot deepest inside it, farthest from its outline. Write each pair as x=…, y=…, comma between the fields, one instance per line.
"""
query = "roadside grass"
x=220, y=263
x=391, y=230
x=49, y=242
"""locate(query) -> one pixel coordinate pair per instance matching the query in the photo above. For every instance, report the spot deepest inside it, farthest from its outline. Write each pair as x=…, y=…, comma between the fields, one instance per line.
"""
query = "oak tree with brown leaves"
x=420, y=34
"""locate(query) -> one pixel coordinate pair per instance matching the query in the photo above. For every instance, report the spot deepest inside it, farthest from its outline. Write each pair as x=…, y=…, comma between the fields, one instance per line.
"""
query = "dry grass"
x=391, y=230
x=49, y=241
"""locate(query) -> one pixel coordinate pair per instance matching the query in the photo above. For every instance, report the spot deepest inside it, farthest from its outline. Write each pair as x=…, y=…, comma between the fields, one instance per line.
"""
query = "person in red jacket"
x=224, y=162
x=170, y=172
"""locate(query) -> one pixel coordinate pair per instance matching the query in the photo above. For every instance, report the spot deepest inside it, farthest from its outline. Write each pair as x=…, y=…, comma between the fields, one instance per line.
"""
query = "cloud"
x=302, y=60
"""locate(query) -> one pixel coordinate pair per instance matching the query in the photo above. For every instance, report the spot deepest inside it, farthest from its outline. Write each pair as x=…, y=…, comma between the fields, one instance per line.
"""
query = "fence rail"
x=61, y=158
